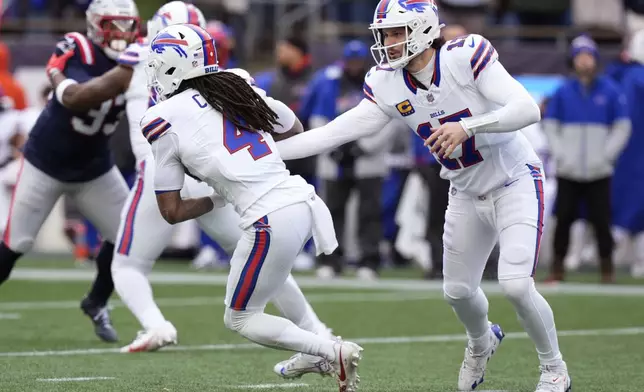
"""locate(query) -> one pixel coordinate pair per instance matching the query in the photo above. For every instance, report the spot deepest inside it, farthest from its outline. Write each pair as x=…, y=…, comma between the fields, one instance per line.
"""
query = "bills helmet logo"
x=408, y=5
x=416, y=5
x=165, y=40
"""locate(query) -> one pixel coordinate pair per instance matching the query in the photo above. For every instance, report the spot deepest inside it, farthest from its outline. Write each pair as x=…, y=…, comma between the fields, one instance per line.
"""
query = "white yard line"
x=9, y=316
x=205, y=278
x=269, y=386
x=219, y=301
x=375, y=340
x=330, y=297
x=74, y=379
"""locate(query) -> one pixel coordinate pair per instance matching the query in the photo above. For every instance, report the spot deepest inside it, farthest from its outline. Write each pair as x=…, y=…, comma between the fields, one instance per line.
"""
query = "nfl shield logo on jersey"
x=430, y=97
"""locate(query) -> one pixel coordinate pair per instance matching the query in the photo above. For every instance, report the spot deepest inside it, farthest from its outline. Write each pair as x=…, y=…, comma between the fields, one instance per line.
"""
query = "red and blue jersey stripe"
x=368, y=92
x=155, y=129
x=127, y=236
x=481, y=57
x=410, y=82
x=250, y=273
x=538, y=186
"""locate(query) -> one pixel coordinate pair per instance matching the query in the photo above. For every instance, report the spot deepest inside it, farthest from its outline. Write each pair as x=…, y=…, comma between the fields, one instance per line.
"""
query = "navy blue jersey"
x=73, y=146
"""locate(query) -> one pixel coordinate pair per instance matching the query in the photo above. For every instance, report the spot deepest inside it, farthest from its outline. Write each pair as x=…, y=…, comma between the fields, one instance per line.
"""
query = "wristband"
x=60, y=89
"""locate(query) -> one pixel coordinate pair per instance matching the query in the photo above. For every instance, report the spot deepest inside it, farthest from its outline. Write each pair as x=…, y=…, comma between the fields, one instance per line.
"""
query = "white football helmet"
x=420, y=17
x=112, y=24
x=178, y=53
x=172, y=13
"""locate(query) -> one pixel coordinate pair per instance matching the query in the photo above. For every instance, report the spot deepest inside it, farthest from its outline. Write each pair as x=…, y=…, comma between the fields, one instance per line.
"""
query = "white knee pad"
x=516, y=261
x=121, y=262
x=455, y=291
x=517, y=289
x=235, y=320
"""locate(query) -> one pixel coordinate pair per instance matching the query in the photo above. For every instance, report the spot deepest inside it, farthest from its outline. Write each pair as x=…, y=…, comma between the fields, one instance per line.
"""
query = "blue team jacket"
x=628, y=180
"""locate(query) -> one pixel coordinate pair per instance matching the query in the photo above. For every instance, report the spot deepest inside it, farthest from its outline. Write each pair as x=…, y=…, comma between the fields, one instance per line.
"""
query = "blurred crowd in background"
x=577, y=57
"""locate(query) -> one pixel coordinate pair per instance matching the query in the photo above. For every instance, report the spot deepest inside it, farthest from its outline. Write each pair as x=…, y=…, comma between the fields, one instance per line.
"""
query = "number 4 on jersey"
x=236, y=139
x=470, y=155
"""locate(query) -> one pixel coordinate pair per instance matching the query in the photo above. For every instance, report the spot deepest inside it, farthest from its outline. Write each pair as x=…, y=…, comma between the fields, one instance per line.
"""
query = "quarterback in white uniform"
x=459, y=97
x=213, y=125
x=143, y=233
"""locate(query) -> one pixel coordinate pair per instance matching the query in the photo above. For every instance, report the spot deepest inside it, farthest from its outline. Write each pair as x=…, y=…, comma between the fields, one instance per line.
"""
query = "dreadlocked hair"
x=233, y=97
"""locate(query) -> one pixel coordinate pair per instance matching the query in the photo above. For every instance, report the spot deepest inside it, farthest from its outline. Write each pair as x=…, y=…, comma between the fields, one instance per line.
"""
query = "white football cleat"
x=366, y=273
x=153, y=339
x=347, y=358
x=325, y=272
x=554, y=379
x=473, y=368
x=301, y=364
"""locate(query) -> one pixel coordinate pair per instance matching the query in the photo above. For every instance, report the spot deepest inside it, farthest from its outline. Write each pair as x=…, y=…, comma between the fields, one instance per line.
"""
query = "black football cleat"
x=100, y=317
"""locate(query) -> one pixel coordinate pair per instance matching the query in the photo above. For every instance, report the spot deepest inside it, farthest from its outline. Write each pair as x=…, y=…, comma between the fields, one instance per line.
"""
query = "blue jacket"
x=329, y=95
x=326, y=100
x=628, y=181
x=587, y=128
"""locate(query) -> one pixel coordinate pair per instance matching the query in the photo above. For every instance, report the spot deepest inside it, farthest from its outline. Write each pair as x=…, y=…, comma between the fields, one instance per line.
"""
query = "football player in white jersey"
x=459, y=97
x=213, y=125
x=143, y=233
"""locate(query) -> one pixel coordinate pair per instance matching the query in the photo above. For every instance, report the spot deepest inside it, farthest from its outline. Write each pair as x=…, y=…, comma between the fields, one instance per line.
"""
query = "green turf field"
x=411, y=338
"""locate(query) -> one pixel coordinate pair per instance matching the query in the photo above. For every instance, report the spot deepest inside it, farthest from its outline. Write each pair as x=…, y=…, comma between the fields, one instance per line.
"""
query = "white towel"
x=323, y=230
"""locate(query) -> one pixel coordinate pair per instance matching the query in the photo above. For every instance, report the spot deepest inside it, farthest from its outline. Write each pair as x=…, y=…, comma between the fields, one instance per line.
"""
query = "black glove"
x=336, y=155
x=355, y=151
x=347, y=153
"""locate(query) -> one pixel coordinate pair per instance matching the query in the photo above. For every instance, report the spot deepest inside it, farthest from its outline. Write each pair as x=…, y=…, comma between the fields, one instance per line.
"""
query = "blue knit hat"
x=355, y=49
x=583, y=43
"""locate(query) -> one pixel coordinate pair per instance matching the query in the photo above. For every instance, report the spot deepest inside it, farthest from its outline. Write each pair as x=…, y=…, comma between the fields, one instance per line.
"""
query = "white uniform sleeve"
x=169, y=172
x=137, y=96
x=365, y=119
x=474, y=61
x=135, y=107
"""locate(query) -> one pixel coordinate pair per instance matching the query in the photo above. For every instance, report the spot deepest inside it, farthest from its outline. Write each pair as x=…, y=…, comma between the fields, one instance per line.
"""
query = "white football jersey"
x=137, y=95
x=484, y=162
x=189, y=136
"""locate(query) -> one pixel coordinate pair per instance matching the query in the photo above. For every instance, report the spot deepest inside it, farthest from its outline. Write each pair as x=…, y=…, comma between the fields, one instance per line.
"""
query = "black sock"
x=8, y=259
x=103, y=285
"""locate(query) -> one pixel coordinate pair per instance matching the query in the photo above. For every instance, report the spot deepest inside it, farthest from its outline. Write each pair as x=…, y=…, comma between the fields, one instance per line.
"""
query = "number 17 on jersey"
x=470, y=156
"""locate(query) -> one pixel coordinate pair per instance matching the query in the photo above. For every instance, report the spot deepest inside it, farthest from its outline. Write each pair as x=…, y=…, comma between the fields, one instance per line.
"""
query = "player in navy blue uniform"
x=68, y=153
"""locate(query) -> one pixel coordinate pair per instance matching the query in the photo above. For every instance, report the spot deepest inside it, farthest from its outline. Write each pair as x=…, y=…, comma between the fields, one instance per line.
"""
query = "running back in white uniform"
x=243, y=167
x=279, y=212
x=144, y=233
